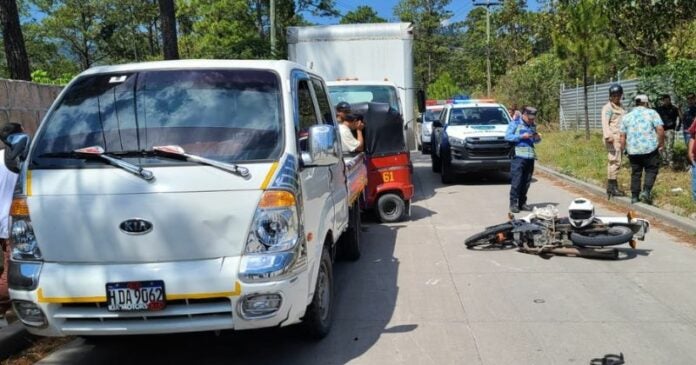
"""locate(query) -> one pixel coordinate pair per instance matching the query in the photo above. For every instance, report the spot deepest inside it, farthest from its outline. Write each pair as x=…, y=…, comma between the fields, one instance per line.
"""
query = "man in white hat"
x=643, y=137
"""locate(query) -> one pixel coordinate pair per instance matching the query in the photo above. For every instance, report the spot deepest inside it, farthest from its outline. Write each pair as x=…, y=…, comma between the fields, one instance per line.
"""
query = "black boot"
x=613, y=189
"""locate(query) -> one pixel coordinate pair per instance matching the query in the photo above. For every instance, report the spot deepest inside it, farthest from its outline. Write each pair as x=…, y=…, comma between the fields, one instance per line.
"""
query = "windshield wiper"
x=179, y=152
x=98, y=152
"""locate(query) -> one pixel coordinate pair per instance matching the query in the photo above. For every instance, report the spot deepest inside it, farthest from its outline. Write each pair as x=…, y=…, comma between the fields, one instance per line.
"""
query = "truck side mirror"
x=421, y=100
x=16, y=151
x=322, y=146
x=419, y=120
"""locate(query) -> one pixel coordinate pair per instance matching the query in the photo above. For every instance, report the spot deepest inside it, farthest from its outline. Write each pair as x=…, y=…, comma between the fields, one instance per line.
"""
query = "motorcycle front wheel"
x=499, y=235
x=616, y=235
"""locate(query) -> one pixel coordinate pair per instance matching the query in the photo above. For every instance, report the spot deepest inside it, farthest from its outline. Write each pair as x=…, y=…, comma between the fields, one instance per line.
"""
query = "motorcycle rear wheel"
x=490, y=236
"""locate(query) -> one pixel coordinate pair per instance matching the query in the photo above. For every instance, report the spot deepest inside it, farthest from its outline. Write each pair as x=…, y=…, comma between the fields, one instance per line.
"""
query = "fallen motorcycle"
x=582, y=233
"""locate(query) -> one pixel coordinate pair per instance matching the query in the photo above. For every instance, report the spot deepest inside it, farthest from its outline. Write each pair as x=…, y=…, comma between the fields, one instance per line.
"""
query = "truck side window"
x=307, y=113
x=323, y=101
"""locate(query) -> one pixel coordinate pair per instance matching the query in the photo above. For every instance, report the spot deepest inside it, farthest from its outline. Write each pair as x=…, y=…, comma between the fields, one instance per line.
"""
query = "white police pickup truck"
x=183, y=196
x=470, y=136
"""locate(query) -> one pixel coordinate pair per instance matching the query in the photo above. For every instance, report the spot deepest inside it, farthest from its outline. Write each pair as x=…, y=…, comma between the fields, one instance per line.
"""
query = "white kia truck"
x=183, y=196
x=469, y=136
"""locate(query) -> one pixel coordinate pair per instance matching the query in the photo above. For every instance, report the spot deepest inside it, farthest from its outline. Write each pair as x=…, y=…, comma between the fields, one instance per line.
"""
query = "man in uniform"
x=612, y=112
x=523, y=135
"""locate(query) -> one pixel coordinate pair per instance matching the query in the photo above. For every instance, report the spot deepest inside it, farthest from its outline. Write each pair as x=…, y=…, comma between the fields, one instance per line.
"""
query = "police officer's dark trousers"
x=521, y=170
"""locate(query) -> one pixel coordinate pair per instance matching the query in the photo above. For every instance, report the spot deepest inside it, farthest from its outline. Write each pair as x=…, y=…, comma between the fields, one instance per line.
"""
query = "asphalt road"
x=418, y=296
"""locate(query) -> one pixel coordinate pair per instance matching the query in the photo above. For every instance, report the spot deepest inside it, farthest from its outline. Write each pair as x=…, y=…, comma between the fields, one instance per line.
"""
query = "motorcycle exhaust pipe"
x=590, y=253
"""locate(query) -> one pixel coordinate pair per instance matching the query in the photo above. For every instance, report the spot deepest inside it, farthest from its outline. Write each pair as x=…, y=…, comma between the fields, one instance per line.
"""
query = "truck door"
x=315, y=182
x=338, y=172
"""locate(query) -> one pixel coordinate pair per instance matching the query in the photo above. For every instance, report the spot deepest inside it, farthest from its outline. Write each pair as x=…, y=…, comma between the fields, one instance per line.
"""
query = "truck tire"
x=319, y=315
x=349, y=243
x=616, y=235
x=446, y=174
x=435, y=161
x=390, y=208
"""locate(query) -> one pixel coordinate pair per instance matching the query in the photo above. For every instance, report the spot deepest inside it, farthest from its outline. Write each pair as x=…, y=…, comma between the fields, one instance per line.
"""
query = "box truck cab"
x=182, y=196
x=369, y=54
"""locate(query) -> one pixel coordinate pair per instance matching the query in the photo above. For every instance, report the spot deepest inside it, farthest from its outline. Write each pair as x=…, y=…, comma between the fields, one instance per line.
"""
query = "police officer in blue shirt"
x=522, y=134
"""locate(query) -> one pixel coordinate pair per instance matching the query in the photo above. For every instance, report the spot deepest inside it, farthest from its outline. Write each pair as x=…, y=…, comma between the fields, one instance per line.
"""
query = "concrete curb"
x=682, y=223
x=13, y=339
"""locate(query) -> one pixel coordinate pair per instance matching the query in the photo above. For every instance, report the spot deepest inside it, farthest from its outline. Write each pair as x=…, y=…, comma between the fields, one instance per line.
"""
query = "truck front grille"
x=86, y=315
x=493, y=148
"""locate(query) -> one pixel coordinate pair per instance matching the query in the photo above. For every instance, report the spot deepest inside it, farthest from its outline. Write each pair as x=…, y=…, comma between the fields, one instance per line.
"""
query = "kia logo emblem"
x=135, y=226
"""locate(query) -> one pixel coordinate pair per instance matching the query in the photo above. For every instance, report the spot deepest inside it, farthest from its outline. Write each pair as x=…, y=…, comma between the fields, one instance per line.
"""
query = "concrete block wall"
x=25, y=102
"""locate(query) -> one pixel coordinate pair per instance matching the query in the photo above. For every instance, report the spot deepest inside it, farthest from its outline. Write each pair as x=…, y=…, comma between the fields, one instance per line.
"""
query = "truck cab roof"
x=281, y=66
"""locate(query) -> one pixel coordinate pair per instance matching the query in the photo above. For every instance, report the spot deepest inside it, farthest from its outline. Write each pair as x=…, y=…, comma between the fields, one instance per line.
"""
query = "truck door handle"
x=330, y=175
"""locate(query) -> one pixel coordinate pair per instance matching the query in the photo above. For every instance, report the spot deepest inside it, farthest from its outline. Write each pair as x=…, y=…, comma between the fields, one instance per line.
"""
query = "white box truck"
x=362, y=63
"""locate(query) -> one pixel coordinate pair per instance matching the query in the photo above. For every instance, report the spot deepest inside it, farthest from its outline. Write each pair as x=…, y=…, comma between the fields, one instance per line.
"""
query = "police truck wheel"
x=390, y=208
x=435, y=162
x=446, y=174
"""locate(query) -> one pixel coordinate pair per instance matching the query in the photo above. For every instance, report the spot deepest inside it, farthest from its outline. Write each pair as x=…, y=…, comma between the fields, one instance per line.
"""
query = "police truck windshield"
x=478, y=116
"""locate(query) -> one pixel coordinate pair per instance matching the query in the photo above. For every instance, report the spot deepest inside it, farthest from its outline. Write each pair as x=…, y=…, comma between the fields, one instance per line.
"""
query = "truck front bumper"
x=201, y=295
x=480, y=165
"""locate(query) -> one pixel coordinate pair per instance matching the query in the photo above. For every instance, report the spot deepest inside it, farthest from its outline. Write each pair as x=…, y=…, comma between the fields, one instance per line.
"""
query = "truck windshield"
x=365, y=94
x=478, y=116
x=225, y=115
x=431, y=115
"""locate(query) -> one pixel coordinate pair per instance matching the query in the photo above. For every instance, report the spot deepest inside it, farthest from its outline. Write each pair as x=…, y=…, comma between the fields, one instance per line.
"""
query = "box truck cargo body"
x=359, y=55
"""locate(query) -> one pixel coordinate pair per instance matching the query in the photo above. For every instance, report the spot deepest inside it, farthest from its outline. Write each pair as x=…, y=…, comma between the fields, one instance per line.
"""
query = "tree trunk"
x=585, y=66
x=170, y=44
x=15, y=51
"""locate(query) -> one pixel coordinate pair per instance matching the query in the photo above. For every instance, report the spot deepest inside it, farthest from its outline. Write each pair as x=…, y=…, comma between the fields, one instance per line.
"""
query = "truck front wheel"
x=390, y=208
x=349, y=243
x=319, y=315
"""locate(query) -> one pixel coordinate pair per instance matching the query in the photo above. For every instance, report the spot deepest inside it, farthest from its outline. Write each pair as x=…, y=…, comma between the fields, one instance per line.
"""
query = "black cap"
x=343, y=107
x=529, y=110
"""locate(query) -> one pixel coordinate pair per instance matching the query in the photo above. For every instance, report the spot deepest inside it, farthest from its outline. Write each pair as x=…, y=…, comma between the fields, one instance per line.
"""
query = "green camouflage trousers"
x=668, y=152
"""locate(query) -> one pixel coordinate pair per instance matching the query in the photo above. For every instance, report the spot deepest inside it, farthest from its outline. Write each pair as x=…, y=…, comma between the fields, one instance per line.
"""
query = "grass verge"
x=570, y=153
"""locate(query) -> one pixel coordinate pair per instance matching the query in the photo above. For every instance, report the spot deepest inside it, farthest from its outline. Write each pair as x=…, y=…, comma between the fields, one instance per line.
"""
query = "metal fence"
x=572, y=107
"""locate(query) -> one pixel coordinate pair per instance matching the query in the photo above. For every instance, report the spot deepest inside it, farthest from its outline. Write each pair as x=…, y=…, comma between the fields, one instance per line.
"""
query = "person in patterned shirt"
x=643, y=137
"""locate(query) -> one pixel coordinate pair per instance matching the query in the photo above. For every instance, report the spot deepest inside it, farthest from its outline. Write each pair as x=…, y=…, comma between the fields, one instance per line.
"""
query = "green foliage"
x=569, y=153
x=443, y=87
x=677, y=78
x=42, y=77
x=362, y=14
x=682, y=43
x=431, y=46
x=641, y=27
x=580, y=41
x=534, y=83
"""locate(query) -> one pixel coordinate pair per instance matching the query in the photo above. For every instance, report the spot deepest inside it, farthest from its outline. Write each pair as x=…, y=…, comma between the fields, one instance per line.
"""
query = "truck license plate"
x=136, y=296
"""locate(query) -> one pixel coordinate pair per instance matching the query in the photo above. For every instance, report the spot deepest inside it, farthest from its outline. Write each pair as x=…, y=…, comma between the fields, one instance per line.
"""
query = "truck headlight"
x=22, y=238
x=427, y=129
x=456, y=141
x=274, y=246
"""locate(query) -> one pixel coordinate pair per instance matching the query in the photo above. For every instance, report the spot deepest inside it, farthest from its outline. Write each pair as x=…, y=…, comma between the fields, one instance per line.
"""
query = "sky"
x=385, y=9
